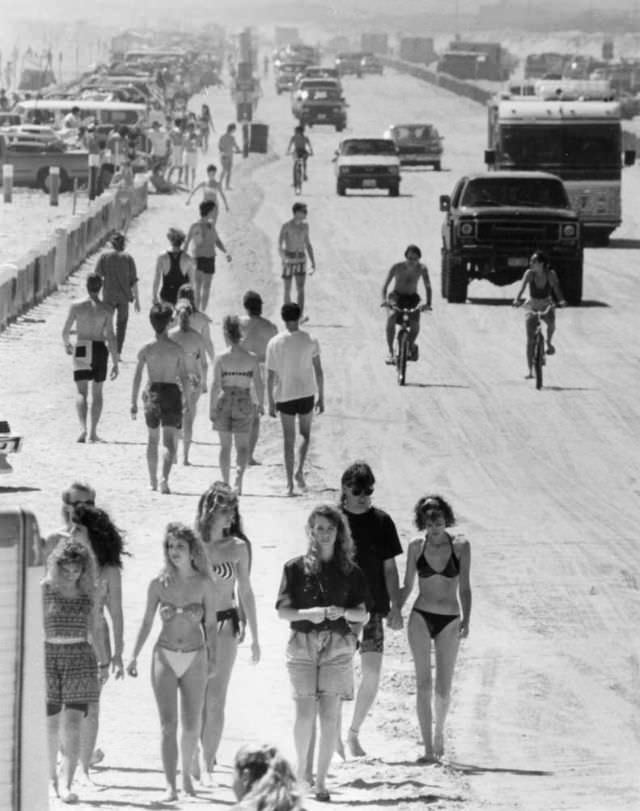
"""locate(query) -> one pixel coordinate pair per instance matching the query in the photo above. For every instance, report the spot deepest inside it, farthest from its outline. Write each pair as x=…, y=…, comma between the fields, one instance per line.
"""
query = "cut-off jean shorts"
x=320, y=663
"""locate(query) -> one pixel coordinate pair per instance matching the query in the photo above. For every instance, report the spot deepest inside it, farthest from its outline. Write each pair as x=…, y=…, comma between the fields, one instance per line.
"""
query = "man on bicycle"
x=405, y=295
x=301, y=147
x=543, y=287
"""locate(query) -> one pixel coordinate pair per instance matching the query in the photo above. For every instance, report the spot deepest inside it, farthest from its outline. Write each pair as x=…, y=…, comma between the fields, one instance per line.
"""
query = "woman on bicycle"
x=440, y=614
x=543, y=287
x=301, y=147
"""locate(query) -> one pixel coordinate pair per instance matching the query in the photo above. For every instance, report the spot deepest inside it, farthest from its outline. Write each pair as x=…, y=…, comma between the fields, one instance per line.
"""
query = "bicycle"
x=539, y=353
x=402, y=337
x=299, y=172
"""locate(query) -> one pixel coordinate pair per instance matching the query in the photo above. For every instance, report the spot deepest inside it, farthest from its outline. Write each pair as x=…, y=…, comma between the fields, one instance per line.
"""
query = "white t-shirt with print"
x=290, y=355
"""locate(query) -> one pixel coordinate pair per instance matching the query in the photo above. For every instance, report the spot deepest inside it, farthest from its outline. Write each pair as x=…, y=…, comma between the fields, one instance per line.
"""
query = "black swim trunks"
x=163, y=405
x=304, y=405
x=99, y=359
x=206, y=264
x=407, y=301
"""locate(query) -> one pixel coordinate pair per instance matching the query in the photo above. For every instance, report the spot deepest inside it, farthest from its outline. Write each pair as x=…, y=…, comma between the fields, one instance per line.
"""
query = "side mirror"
x=490, y=157
x=445, y=202
x=629, y=157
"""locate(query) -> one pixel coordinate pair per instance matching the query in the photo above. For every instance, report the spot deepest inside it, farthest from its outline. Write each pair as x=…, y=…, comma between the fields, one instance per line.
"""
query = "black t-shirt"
x=376, y=540
x=329, y=586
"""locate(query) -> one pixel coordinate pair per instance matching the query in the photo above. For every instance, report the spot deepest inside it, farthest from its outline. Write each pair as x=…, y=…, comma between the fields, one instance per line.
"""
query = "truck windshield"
x=369, y=147
x=573, y=146
x=516, y=191
x=418, y=132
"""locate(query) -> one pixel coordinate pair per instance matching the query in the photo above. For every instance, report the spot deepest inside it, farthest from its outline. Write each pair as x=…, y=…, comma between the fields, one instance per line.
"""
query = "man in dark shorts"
x=117, y=270
x=294, y=374
x=405, y=276
x=94, y=341
x=162, y=398
x=205, y=240
x=377, y=545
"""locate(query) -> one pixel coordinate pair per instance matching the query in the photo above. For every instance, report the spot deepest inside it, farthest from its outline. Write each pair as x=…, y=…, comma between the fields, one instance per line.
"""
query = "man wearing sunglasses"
x=377, y=545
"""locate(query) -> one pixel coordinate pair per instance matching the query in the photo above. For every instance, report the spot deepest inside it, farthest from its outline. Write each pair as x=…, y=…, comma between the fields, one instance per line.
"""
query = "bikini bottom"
x=179, y=661
x=435, y=622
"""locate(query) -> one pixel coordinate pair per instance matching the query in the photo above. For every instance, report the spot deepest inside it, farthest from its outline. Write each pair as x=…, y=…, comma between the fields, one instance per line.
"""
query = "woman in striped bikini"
x=440, y=614
x=184, y=656
x=229, y=552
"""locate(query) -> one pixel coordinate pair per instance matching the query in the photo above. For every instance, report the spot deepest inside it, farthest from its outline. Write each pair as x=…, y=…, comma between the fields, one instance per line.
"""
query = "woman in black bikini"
x=229, y=553
x=184, y=657
x=441, y=612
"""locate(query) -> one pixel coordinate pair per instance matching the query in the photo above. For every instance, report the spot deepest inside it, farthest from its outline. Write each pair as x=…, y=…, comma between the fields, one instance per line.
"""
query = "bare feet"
x=164, y=487
x=82, y=437
x=153, y=484
x=68, y=796
x=300, y=481
x=253, y=462
x=438, y=744
x=427, y=758
x=186, y=462
x=53, y=786
x=354, y=744
x=195, y=766
x=96, y=438
x=529, y=376
x=170, y=796
x=187, y=786
x=290, y=491
x=340, y=749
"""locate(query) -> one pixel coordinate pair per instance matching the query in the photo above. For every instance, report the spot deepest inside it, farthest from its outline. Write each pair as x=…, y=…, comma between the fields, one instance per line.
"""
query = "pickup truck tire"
x=444, y=274
x=43, y=180
x=457, y=282
x=339, y=127
x=571, y=283
x=437, y=166
x=341, y=189
x=394, y=191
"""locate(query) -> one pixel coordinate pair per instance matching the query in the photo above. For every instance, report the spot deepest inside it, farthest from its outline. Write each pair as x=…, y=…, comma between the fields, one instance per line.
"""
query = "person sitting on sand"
x=196, y=360
x=95, y=341
x=440, y=614
x=184, y=656
x=263, y=780
x=165, y=362
x=163, y=186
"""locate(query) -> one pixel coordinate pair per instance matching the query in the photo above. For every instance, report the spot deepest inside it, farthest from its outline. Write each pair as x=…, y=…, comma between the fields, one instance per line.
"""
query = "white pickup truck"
x=367, y=163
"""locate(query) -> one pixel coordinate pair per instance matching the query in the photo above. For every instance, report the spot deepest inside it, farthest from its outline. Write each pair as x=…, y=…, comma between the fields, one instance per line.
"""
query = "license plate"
x=321, y=115
x=368, y=184
x=517, y=262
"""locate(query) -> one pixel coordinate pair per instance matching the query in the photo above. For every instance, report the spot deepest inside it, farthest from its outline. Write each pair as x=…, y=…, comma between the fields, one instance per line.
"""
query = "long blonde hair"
x=199, y=557
x=67, y=550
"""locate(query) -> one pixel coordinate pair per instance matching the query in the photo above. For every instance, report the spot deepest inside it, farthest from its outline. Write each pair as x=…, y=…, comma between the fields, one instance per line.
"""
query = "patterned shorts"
x=373, y=635
x=294, y=264
x=72, y=673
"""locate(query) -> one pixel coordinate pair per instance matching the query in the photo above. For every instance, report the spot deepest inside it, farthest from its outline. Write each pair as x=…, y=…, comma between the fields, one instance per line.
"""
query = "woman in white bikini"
x=184, y=656
x=229, y=553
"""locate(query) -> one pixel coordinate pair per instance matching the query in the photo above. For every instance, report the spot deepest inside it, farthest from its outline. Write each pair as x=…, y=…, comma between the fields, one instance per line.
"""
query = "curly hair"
x=430, y=502
x=181, y=532
x=71, y=550
x=268, y=778
x=344, y=549
x=105, y=538
x=219, y=494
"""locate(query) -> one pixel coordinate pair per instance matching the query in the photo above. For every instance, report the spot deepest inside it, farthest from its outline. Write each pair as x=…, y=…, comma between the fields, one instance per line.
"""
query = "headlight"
x=569, y=231
x=393, y=170
x=466, y=229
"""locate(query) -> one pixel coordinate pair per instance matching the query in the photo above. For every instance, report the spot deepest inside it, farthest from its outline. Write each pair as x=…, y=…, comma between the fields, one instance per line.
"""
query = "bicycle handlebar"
x=410, y=310
x=539, y=313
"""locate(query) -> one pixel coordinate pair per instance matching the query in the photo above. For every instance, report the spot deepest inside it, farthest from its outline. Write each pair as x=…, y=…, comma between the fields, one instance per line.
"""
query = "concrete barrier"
x=43, y=269
x=457, y=86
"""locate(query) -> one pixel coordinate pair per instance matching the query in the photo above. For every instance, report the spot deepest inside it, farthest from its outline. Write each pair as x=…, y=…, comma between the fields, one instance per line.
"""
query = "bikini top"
x=540, y=292
x=226, y=372
x=424, y=568
x=225, y=570
x=192, y=611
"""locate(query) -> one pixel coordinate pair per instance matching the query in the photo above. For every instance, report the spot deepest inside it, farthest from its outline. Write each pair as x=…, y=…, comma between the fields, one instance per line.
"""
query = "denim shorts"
x=234, y=410
x=321, y=663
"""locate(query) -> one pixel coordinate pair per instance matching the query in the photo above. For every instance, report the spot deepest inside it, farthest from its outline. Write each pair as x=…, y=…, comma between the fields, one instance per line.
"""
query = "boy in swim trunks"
x=211, y=188
x=196, y=361
x=162, y=398
x=95, y=341
x=205, y=240
x=294, y=245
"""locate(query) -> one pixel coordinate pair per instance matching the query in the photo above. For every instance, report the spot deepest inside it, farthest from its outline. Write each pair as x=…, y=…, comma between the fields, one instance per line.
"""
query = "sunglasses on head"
x=361, y=491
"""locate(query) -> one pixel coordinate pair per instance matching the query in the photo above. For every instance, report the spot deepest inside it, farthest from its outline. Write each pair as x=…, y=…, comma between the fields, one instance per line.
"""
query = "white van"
x=112, y=113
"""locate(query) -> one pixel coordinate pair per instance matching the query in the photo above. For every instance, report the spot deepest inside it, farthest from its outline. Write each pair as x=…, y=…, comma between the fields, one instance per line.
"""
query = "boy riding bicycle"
x=405, y=295
x=301, y=147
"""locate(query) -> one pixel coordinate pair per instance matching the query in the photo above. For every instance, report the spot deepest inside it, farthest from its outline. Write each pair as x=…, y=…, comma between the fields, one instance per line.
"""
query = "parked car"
x=32, y=158
x=367, y=163
x=370, y=63
x=349, y=63
x=418, y=144
x=493, y=223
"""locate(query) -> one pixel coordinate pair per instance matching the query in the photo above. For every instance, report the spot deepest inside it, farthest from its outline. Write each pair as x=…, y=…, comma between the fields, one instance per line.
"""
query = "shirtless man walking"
x=294, y=245
x=95, y=341
x=205, y=240
x=257, y=332
x=405, y=294
x=227, y=147
x=165, y=363
x=196, y=362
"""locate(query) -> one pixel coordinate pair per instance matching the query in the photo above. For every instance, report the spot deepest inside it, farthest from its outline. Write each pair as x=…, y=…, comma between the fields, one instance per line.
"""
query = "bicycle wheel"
x=402, y=357
x=297, y=177
x=538, y=359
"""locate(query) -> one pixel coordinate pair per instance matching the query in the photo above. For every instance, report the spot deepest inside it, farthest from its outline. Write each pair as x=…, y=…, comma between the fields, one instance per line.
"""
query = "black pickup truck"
x=494, y=222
